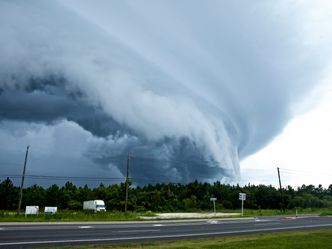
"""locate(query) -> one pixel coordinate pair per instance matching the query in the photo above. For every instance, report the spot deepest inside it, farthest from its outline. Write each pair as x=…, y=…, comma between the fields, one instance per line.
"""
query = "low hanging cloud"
x=188, y=88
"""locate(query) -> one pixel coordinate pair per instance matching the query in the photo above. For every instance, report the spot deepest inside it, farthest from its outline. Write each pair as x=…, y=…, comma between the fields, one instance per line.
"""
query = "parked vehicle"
x=95, y=205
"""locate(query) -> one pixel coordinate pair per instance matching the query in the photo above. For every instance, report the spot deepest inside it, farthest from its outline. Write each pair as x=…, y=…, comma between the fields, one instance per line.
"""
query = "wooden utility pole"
x=22, y=181
x=282, y=197
x=127, y=182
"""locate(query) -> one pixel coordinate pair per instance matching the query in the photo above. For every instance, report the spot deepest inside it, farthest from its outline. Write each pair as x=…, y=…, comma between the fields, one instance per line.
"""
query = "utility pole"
x=127, y=182
x=22, y=181
x=282, y=197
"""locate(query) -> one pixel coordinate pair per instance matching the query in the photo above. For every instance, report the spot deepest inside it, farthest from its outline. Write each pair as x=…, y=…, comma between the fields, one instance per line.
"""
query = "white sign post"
x=214, y=204
x=242, y=197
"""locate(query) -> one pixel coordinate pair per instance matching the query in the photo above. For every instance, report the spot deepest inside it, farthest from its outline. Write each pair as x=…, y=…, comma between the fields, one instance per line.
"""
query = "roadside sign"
x=213, y=199
x=31, y=210
x=242, y=196
x=52, y=210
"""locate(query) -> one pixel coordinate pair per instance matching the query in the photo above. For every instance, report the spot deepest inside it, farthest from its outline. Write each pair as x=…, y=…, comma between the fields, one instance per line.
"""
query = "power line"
x=10, y=163
x=90, y=179
x=51, y=177
x=303, y=172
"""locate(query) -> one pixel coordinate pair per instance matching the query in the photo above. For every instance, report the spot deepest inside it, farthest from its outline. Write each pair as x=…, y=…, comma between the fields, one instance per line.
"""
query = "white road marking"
x=1, y=228
x=85, y=227
x=161, y=236
x=212, y=222
x=135, y=231
x=157, y=225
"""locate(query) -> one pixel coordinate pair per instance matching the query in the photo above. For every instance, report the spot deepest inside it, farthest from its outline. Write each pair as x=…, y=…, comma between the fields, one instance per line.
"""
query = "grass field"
x=69, y=216
x=11, y=216
x=304, y=239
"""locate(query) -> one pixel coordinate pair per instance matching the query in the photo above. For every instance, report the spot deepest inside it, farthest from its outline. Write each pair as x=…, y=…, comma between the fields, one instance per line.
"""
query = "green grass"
x=305, y=239
x=69, y=216
x=267, y=212
x=11, y=216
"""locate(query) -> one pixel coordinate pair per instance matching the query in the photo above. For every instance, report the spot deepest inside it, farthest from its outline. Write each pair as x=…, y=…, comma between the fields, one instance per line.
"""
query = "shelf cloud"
x=188, y=88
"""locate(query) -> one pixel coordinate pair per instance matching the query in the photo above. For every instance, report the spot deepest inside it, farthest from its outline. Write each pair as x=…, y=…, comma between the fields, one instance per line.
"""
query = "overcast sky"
x=207, y=90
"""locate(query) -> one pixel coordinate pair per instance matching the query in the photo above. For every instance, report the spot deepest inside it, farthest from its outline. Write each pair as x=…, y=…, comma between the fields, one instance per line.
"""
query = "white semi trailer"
x=95, y=205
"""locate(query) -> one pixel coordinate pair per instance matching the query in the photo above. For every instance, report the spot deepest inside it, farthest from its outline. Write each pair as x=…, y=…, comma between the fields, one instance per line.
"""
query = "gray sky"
x=189, y=88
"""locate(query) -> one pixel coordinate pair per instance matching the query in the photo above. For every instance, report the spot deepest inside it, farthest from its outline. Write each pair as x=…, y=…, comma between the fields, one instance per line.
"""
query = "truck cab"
x=100, y=206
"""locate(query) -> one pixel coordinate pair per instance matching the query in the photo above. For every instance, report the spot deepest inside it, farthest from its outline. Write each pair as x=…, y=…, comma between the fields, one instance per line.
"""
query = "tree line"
x=167, y=197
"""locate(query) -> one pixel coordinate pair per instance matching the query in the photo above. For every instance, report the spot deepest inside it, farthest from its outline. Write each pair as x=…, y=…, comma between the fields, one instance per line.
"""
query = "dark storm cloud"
x=190, y=88
x=46, y=100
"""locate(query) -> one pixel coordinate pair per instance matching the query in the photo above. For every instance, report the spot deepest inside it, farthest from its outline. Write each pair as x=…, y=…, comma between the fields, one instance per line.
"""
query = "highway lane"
x=32, y=235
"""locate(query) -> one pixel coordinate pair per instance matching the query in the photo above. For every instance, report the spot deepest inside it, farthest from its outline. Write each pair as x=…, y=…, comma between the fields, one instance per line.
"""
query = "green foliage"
x=8, y=195
x=167, y=197
x=75, y=205
x=68, y=215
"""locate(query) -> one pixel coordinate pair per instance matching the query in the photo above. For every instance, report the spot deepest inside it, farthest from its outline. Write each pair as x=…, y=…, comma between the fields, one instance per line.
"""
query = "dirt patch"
x=189, y=215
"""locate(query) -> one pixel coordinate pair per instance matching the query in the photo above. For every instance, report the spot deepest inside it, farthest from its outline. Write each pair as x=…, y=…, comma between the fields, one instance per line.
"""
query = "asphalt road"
x=32, y=235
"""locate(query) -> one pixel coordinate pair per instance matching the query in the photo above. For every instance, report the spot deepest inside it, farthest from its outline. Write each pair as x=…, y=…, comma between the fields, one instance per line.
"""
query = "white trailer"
x=95, y=205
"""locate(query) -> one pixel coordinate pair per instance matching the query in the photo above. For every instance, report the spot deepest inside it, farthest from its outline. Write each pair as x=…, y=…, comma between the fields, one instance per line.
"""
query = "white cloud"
x=225, y=82
x=302, y=151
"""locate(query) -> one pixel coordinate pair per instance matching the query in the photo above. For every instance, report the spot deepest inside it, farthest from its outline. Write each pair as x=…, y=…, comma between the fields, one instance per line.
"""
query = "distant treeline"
x=167, y=197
